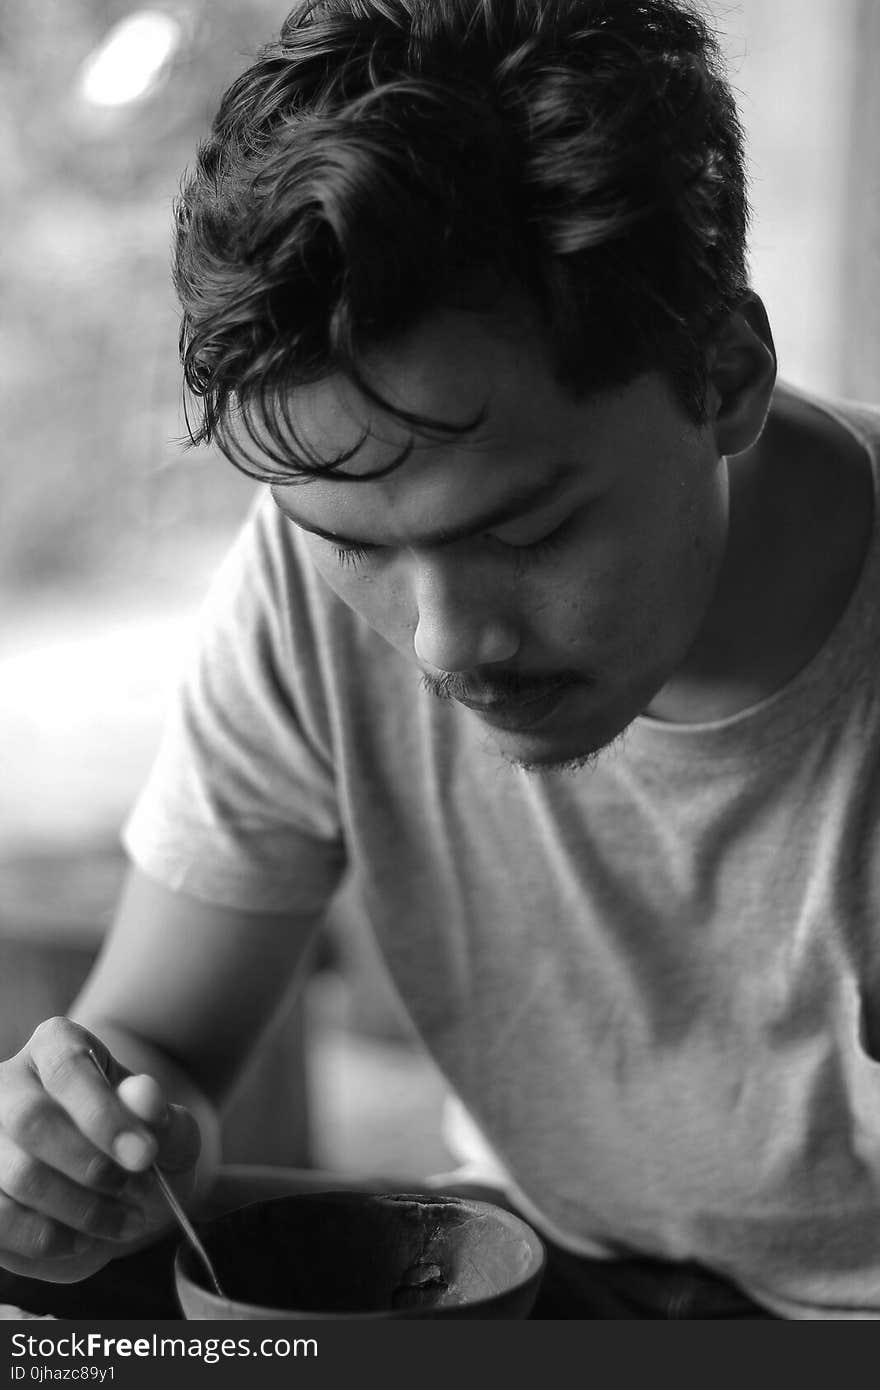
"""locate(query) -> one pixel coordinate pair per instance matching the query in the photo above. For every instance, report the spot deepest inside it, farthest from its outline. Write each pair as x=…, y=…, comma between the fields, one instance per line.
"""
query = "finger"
x=35, y=1123
x=88, y=1257
x=37, y=1188
x=59, y=1052
x=35, y=1238
x=144, y=1098
x=60, y=1269
x=176, y=1130
x=180, y=1141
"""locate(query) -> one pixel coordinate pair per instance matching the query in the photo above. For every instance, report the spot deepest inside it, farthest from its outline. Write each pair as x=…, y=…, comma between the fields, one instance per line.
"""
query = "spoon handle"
x=180, y=1215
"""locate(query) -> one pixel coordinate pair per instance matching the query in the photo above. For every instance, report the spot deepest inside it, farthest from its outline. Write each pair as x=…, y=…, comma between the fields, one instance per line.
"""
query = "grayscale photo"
x=439, y=664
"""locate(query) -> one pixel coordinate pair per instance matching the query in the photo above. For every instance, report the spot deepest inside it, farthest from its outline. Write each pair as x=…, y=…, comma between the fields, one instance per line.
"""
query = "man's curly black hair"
x=387, y=158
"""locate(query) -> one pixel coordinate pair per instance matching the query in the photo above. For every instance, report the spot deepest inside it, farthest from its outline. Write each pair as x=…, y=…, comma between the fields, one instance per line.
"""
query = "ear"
x=742, y=374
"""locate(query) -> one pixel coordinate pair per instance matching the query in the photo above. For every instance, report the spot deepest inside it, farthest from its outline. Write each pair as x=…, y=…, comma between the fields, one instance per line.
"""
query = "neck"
x=799, y=524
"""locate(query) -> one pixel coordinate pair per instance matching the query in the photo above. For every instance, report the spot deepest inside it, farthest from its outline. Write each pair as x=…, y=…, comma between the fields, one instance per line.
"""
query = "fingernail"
x=134, y=1151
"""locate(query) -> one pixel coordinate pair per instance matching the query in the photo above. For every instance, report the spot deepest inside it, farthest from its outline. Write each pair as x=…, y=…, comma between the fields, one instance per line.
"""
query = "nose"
x=461, y=624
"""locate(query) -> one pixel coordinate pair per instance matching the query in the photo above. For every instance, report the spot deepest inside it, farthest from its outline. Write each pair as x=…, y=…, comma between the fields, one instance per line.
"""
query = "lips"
x=520, y=711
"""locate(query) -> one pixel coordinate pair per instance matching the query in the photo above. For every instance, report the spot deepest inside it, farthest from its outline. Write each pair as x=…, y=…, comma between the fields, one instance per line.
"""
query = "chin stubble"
x=566, y=766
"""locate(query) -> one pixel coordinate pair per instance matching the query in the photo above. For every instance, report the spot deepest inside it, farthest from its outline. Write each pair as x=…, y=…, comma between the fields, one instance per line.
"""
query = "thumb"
x=173, y=1125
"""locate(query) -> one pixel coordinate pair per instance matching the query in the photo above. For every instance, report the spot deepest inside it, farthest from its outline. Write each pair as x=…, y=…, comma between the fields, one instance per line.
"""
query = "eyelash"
x=351, y=556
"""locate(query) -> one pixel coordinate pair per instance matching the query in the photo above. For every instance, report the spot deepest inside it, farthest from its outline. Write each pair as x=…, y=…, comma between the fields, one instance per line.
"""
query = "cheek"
x=703, y=550
x=640, y=587
x=680, y=575
x=380, y=599
x=684, y=535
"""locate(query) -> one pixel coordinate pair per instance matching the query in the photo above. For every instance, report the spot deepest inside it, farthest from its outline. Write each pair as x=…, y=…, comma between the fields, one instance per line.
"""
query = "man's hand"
x=75, y=1155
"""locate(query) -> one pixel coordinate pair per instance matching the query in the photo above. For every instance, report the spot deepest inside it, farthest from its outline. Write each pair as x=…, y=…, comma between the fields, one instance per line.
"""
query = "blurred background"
x=109, y=531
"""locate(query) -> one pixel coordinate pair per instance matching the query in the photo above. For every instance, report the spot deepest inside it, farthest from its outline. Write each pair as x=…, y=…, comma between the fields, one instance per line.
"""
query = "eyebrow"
x=518, y=505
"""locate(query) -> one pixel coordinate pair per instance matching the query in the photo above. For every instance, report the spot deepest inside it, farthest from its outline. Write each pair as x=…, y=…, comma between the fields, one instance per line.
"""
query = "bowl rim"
x=184, y=1255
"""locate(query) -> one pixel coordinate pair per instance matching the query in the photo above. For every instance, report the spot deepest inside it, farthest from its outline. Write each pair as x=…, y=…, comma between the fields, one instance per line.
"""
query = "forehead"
x=455, y=368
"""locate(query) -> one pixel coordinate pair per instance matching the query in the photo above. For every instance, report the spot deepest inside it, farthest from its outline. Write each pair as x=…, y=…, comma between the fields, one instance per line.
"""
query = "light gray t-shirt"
x=650, y=982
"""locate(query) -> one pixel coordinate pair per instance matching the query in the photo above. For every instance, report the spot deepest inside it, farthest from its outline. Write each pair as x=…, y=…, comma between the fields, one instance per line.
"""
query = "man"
x=555, y=626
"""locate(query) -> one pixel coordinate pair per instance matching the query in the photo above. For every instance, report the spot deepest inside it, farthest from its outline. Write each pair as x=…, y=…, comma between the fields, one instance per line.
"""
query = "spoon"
x=178, y=1212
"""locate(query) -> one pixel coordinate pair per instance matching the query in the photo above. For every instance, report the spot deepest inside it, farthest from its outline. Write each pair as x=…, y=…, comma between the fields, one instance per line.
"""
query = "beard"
x=576, y=763
x=512, y=686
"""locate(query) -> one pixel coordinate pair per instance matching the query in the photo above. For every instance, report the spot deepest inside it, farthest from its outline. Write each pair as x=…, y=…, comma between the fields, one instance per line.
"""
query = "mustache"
x=504, y=686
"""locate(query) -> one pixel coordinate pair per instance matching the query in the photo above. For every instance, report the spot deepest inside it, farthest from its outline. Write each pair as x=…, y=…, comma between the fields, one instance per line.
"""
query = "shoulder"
x=837, y=428
x=824, y=466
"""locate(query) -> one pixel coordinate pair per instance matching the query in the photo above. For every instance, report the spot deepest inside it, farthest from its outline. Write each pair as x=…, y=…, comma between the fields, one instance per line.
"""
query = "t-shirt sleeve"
x=240, y=806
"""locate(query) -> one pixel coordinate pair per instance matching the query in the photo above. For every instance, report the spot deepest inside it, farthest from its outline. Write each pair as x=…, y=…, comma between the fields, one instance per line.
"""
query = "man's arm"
x=188, y=985
x=182, y=991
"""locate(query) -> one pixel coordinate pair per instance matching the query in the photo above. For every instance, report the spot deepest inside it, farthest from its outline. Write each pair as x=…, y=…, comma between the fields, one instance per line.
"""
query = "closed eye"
x=529, y=553
x=351, y=555
x=542, y=546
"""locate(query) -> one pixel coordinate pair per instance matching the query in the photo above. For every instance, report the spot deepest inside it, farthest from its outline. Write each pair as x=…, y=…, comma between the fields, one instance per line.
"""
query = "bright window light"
x=131, y=60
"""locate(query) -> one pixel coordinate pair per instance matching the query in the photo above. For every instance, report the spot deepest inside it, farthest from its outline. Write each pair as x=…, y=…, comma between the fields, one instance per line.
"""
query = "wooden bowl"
x=366, y=1255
